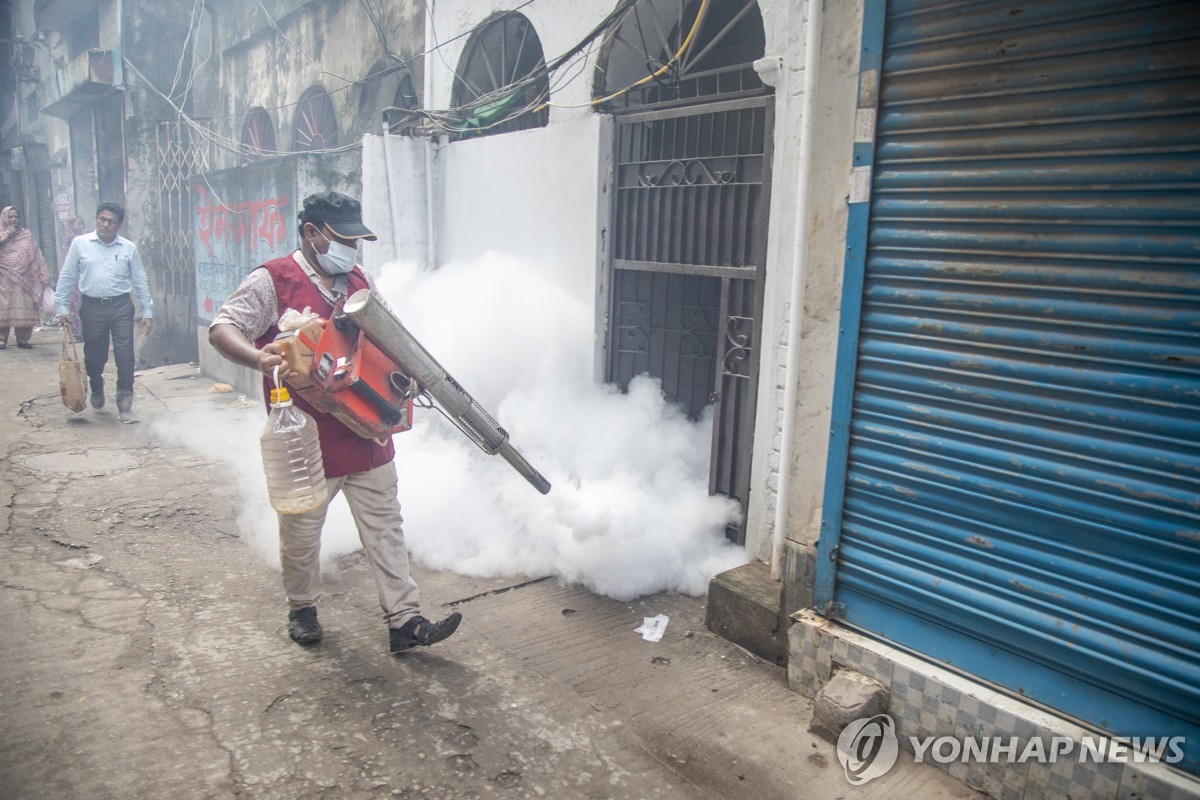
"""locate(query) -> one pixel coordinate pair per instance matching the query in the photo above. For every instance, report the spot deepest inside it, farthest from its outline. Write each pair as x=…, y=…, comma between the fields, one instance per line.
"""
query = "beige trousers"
x=376, y=510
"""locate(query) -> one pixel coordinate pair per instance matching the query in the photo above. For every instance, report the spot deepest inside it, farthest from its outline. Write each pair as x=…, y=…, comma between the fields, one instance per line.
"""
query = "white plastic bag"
x=293, y=320
x=48, y=304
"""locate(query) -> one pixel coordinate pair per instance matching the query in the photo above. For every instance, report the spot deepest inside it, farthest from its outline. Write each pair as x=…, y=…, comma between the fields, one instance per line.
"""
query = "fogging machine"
x=365, y=368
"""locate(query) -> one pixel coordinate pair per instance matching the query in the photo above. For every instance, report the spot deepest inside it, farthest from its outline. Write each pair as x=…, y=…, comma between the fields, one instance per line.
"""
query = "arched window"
x=718, y=63
x=386, y=86
x=316, y=123
x=258, y=135
x=502, y=84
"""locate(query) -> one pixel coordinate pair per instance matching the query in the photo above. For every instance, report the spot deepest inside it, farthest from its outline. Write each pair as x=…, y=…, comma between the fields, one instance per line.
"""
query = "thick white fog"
x=629, y=513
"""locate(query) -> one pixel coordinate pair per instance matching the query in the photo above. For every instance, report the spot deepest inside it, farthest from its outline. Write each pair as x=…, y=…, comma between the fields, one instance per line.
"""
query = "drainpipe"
x=391, y=187
x=431, y=253
x=812, y=46
x=431, y=250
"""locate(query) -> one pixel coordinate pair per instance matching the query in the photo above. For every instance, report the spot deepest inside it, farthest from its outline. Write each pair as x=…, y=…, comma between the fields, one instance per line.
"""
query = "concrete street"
x=145, y=654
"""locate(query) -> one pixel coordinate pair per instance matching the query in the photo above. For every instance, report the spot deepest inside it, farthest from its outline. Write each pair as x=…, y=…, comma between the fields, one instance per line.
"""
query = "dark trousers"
x=101, y=321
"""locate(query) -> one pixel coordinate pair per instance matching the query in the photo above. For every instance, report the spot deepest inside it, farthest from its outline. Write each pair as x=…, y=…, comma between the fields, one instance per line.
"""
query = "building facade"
x=189, y=114
x=935, y=266
x=930, y=266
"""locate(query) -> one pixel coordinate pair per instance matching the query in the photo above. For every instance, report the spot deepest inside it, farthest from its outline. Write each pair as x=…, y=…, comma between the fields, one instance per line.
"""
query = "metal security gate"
x=1015, y=470
x=179, y=158
x=46, y=228
x=689, y=236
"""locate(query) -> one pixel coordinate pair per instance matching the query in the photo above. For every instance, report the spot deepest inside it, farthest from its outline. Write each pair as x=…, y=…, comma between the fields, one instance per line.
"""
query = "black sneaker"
x=303, y=626
x=97, y=400
x=420, y=631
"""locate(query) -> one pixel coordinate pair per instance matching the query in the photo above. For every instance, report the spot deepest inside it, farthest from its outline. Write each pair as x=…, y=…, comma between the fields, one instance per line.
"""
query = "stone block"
x=847, y=696
x=743, y=607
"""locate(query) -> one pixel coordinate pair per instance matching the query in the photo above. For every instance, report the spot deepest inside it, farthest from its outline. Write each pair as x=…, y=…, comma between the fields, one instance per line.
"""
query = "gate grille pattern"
x=47, y=234
x=666, y=325
x=688, y=189
x=179, y=159
x=688, y=239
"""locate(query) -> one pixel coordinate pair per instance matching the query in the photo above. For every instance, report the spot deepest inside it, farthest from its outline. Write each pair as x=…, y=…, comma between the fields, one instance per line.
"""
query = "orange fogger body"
x=343, y=373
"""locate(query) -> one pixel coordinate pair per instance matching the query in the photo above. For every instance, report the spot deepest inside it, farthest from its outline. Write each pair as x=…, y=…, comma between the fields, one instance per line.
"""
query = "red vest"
x=343, y=451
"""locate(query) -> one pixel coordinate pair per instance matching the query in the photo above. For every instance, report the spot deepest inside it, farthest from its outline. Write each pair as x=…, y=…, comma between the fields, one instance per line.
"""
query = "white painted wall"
x=395, y=199
x=534, y=194
x=540, y=195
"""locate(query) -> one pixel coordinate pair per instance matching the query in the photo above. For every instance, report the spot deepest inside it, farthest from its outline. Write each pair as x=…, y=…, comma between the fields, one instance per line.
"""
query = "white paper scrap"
x=652, y=628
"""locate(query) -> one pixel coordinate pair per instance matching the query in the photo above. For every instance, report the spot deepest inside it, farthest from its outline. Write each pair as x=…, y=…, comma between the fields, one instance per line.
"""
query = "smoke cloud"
x=629, y=513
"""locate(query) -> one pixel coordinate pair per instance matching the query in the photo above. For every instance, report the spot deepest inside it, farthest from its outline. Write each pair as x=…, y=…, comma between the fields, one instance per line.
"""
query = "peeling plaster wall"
x=112, y=25
x=267, y=54
x=822, y=266
x=270, y=61
x=819, y=266
x=785, y=29
x=837, y=95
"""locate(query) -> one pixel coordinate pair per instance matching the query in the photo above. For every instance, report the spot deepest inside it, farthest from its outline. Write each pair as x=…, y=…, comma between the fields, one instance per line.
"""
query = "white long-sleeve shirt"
x=103, y=270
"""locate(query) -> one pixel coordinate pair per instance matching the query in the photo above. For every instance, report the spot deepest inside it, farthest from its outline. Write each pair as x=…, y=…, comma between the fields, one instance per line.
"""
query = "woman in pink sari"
x=23, y=277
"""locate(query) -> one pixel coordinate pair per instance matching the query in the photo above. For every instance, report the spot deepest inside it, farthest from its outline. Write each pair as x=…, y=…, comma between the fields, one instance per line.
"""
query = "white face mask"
x=338, y=259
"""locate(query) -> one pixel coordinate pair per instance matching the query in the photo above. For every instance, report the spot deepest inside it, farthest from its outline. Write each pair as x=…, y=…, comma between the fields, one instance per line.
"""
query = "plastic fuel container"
x=291, y=454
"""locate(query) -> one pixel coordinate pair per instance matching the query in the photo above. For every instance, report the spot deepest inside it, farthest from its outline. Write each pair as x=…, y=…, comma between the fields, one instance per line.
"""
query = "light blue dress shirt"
x=103, y=270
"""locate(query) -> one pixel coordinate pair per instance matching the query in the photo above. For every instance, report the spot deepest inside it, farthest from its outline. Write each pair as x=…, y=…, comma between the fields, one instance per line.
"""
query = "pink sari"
x=23, y=276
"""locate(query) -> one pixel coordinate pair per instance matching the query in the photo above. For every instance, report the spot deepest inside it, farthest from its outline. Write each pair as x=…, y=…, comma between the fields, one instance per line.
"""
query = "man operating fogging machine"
x=317, y=275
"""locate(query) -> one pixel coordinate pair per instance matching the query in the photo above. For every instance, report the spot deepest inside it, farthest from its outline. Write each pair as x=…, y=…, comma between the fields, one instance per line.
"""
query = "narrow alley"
x=146, y=653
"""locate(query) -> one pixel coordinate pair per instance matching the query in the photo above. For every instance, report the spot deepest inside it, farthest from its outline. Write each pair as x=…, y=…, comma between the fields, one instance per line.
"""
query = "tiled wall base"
x=925, y=700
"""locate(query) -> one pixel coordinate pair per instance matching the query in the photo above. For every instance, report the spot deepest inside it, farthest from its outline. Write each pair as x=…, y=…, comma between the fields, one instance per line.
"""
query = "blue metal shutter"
x=1022, y=492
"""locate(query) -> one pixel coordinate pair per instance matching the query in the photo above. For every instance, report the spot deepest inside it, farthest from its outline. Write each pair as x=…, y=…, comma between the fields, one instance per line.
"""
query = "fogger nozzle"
x=390, y=336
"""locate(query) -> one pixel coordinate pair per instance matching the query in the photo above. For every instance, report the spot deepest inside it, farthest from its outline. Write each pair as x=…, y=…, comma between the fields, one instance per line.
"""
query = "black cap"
x=342, y=214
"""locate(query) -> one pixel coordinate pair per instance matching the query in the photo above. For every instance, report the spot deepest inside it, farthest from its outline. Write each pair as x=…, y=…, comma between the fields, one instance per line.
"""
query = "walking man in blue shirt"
x=106, y=268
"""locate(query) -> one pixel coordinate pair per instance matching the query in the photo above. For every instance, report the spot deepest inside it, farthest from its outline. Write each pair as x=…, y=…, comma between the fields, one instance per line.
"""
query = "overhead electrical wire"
x=449, y=121
x=237, y=148
x=440, y=119
x=533, y=106
x=184, y=50
x=687, y=42
x=224, y=142
x=454, y=120
x=401, y=64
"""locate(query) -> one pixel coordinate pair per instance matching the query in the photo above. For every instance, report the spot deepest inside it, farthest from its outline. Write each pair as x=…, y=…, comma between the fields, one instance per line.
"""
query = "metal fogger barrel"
x=390, y=336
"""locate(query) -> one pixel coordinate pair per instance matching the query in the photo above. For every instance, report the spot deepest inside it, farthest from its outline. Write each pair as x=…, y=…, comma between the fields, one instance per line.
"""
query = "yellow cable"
x=682, y=49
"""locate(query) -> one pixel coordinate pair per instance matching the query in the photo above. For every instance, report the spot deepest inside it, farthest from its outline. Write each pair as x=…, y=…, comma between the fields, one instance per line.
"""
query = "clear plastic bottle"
x=291, y=454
